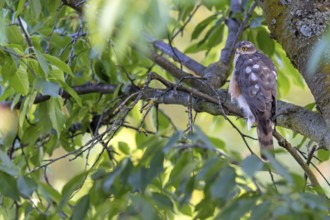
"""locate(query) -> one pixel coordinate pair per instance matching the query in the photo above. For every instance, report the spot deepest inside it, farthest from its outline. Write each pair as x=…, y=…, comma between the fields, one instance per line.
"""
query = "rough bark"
x=298, y=26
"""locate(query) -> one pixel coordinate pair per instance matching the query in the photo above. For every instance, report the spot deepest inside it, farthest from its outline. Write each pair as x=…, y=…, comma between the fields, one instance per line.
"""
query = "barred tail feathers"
x=265, y=137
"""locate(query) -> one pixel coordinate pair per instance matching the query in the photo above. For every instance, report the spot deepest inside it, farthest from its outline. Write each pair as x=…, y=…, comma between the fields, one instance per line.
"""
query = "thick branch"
x=179, y=57
x=290, y=116
x=298, y=119
x=198, y=83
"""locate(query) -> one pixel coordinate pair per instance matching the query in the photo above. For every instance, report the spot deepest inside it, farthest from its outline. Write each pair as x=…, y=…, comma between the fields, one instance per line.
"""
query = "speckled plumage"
x=253, y=87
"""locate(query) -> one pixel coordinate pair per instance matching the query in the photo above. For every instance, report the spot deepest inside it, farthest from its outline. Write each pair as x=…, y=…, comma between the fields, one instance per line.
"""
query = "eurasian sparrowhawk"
x=253, y=86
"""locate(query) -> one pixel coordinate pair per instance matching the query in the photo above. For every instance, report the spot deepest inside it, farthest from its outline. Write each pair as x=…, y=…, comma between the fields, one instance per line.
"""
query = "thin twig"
x=315, y=167
x=310, y=157
x=186, y=22
x=285, y=144
x=26, y=35
x=273, y=180
x=242, y=135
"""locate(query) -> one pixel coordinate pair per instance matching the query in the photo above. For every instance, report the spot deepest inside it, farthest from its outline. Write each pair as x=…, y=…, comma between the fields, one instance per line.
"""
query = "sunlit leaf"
x=238, y=209
x=70, y=187
x=59, y=64
x=201, y=26
x=42, y=61
x=19, y=81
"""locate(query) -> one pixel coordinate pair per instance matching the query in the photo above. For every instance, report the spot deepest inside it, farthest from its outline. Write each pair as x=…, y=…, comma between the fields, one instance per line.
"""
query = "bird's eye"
x=244, y=48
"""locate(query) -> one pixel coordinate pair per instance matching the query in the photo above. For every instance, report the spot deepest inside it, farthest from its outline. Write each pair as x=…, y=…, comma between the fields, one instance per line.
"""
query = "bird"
x=253, y=86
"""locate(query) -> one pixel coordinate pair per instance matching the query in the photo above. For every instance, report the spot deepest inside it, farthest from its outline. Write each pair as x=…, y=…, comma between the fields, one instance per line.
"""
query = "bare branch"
x=179, y=57
x=186, y=22
x=25, y=34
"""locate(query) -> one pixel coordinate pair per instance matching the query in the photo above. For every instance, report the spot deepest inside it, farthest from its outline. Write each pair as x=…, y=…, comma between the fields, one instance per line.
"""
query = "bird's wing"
x=256, y=77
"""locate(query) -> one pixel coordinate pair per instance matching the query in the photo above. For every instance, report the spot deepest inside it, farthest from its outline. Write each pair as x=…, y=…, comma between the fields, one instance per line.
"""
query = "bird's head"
x=245, y=47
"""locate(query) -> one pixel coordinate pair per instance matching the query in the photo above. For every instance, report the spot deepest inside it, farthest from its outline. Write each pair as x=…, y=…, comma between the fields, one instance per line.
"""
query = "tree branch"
x=179, y=57
x=285, y=144
x=80, y=90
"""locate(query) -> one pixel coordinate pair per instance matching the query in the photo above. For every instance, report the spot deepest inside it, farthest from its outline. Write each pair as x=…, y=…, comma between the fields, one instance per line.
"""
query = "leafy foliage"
x=75, y=74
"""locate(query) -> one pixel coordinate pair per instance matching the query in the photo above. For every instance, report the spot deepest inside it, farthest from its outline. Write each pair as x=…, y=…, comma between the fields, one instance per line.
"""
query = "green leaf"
x=56, y=74
x=14, y=35
x=199, y=136
x=36, y=6
x=196, y=47
x=224, y=184
x=279, y=169
x=162, y=201
x=26, y=186
x=59, y=64
x=210, y=169
x=8, y=186
x=71, y=92
x=42, y=61
x=81, y=208
x=123, y=147
x=19, y=81
x=182, y=169
x=237, y=209
x=7, y=166
x=146, y=211
x=261, y=211
x=172, y=141
x=186, y=209
x=42, y=112
x=205, y=209
x=257, y=21
x=323, y=155
x=56, y=114
x=201, y=26
x=49, y=193
x=46, y=87
x=20, y=7
x=216, y=34
x=70, y=187
x=251, y=165
x=265, y=44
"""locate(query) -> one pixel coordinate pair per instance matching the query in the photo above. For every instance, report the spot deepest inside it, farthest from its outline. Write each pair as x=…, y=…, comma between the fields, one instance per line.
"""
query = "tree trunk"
x=298, y=26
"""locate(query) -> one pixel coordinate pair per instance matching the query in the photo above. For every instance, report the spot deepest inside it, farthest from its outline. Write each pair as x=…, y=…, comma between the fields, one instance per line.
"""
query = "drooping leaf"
x=81, y=208
x=251, y=165
x=56, y=114
x=42, y=61
x=26, y=185
x=70, y=187
x=8, y=186
x=7, y=166
x=224, y=184
x=19, y=81
x=201, y=26
x=59, y=64
x=279, y=168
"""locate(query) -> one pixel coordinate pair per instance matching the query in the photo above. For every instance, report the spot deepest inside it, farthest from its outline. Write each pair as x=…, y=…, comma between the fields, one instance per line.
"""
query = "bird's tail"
x=265, y=137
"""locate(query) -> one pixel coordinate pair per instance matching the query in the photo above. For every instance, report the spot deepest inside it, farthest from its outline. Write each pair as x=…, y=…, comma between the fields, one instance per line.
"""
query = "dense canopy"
x=119, y=109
